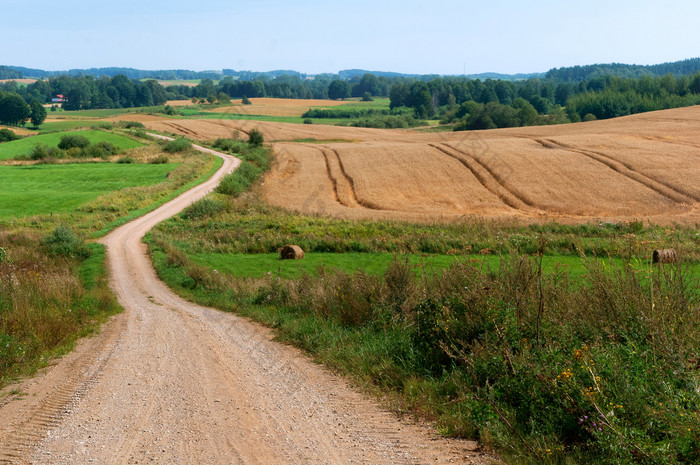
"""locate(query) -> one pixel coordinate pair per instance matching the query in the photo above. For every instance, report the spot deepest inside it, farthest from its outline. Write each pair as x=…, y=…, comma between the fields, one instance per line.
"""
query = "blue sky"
x=441, y=37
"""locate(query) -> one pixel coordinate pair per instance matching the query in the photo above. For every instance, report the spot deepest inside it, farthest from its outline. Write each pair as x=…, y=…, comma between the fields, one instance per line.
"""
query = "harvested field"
x=643, y=166
x=639, y=167
x=277, y=106
x=19, y=81
x=179, y=103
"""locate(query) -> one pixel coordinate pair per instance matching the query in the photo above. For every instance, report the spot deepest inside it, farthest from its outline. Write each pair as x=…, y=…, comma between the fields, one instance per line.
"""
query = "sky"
x=407, y=36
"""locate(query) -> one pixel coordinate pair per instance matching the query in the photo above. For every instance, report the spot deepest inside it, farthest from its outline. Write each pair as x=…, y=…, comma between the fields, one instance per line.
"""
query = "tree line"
x=469, y=103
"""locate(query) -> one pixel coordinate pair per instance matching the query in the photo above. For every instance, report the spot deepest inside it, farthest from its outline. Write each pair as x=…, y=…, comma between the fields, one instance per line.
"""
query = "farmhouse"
x=59, y=98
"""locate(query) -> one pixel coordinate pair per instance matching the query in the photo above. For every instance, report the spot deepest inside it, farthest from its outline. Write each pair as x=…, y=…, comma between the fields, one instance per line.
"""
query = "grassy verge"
x=47, y=302
x=593, y=364
x=53, y=287
x=542, y=367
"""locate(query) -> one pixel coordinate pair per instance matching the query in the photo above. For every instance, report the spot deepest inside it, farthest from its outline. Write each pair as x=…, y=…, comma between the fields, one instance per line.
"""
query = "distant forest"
x=579, y=93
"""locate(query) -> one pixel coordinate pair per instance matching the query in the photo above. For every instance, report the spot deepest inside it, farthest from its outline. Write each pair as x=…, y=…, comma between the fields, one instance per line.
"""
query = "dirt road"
x=172, y=382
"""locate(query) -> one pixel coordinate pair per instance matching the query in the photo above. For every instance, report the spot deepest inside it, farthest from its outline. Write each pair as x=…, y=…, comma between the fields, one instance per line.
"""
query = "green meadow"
x=40, y=189
x=269, y=264
x=24, y=146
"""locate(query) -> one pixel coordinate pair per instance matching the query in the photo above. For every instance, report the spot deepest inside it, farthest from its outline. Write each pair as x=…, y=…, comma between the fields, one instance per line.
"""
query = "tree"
x=37, y=113
x=13, y=109
x=255, y=138
x=246, y=101
x=526, y=112
x=338, y=90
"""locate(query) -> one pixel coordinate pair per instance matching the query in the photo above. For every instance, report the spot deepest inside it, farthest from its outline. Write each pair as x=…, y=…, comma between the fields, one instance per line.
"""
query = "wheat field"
x=641, y=167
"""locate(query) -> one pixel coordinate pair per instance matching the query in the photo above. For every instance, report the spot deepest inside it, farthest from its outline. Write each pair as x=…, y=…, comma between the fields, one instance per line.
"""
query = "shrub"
x=255, y=138
x=240, y=180
x=245, y=101
x=6, y=135
x=39, y=152
x=73, y=140
x=308, y=121
x=100, y=150
x=132, y=125
x=63, y=241
x=159, y=160
x=170, y=110
x=178, y=145
x=367, y=97
x=202, y=209
x=230, y=145
x=103, y=125
x=125, y=160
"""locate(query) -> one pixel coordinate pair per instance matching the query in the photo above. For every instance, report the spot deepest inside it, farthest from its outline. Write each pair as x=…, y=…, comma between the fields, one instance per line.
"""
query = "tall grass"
x=544, y=369
x=598, y=367
x=47, y=299
x=53, y=287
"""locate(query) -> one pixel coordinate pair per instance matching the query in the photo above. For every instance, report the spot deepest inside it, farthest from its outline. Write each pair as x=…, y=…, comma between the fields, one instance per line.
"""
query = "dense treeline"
x=469, y=103
x=581, y=73
x=87, y=92
x=9, y=73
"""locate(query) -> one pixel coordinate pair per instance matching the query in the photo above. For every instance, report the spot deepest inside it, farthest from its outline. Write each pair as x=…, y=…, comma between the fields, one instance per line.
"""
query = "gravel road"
x=171, y=382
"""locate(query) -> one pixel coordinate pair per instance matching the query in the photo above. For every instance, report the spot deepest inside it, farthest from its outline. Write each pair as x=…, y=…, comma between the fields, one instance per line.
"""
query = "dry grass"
x=19, y=81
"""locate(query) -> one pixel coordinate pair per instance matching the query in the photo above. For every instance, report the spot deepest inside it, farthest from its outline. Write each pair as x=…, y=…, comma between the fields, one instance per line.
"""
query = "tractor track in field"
x=169, y=381
x=487, y=178
x=660, y=187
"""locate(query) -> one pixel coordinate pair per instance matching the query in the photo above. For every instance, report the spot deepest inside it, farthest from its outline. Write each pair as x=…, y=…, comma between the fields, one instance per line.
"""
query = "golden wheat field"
x=643, y=167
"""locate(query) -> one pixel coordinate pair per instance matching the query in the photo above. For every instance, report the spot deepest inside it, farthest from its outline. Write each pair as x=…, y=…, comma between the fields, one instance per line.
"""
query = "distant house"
x=59, y=98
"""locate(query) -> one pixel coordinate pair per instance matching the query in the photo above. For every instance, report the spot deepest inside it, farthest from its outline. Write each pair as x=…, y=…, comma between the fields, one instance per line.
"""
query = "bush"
x=100, y=150
x=240, y=180
x=6, y=135
x=178, y=145
x=255, y=138
x=205, y=208
x=103, y=125
x=125, y=160
x=73, y=140
x=230, y=145
x=308, y=121
x=170, y=110
x=63, y=241
x=132, y=125
x=39, y=152
x=159, y=160
x=245, y=101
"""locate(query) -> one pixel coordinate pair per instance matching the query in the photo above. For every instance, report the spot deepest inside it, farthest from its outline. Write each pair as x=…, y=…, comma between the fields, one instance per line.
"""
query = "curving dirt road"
x=168, y=381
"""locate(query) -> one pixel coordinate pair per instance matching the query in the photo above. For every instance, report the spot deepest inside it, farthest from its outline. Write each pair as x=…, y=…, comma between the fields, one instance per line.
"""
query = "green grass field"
x=25, y=146
x=262, y=265
x=97, y=113
x=39, y=189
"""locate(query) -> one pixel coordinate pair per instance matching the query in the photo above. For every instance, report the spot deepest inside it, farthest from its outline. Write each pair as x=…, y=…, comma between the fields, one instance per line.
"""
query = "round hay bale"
x=291, y=252
x=664, y=256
